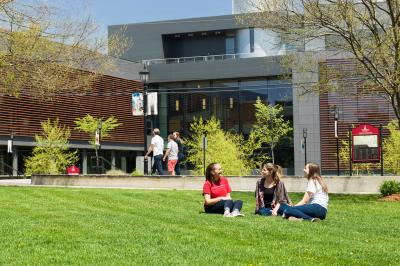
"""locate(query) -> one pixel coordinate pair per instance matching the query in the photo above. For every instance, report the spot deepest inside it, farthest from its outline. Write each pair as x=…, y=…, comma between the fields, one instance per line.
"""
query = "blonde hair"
x=314, y=172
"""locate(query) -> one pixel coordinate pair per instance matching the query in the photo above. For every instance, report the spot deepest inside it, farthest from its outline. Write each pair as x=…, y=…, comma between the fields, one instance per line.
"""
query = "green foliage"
x=51, y=155
x=137, y=173
x=115, y=172
x=391, y=147
x=140, y=227
x=269, y=128
x=88, y=124
x=389, y=187
x=223, y=147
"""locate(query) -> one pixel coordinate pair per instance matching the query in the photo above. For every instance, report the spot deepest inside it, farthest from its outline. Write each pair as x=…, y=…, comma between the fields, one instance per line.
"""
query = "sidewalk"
x=15, y=182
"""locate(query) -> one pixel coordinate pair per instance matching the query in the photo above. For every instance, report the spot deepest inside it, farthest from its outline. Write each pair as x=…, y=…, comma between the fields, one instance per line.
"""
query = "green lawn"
x=116, y=226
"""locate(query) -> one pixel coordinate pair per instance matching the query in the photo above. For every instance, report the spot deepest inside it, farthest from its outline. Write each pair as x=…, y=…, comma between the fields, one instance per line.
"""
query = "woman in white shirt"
x=314, y=205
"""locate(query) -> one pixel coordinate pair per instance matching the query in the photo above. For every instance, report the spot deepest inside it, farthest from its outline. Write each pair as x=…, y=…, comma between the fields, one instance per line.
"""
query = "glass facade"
x=231, y=101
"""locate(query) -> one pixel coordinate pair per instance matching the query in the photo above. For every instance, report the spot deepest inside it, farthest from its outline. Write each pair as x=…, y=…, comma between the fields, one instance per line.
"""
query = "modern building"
x=215, y=66
x=111, y=94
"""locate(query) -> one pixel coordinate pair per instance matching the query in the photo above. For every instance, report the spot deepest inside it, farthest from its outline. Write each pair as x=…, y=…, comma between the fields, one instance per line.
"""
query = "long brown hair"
x=276, y=171
x=315, y=173
x=209, y=168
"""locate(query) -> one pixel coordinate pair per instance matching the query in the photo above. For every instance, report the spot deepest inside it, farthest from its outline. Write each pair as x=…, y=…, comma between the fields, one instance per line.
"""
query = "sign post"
x=204, y=146
x=351, y=152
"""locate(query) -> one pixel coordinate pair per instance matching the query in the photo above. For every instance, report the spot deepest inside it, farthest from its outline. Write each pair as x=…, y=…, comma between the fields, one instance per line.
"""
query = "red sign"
x=365, y=146
x=73, y=170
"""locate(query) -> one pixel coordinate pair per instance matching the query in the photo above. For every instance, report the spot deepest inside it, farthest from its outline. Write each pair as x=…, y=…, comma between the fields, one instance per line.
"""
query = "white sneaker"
x=295, y=219
x=227, y=214
x=237, y=214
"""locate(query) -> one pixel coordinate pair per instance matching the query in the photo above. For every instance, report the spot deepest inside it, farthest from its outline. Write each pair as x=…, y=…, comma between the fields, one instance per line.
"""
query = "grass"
x=120, y=227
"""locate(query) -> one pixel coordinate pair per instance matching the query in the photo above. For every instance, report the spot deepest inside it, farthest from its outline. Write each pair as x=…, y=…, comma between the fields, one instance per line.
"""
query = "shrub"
x=389, y=187
x=115, y=172
x=51, y=154
x=137, y=173
x=223, y=147
x=391, y=148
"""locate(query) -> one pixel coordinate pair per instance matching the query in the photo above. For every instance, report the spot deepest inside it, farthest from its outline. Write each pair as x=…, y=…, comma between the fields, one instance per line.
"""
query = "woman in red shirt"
x=217, y=193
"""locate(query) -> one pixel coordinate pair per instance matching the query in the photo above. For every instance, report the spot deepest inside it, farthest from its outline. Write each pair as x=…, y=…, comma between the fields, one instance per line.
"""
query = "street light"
x=305, y=145
x=336, y=117
x=144, y=77
x=98, y=144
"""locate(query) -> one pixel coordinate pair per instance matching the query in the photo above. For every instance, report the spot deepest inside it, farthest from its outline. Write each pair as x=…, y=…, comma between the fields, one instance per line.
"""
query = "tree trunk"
x=272, y=153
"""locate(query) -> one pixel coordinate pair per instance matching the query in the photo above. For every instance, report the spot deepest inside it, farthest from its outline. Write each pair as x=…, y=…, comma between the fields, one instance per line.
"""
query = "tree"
x=51, y=155
x=391, y=149
x=43, y=51
x=90, y=125
x=367, y=31
x=223, y=147
x=269, y=128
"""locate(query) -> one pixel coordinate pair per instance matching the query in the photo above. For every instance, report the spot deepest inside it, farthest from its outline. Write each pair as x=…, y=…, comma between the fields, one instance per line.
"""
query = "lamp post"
x=144, y=77
x=97, y=143
x=305, y=145
x=336, y=117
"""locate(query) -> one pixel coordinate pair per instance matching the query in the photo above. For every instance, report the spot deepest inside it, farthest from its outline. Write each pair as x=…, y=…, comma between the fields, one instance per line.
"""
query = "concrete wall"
x=355, y=184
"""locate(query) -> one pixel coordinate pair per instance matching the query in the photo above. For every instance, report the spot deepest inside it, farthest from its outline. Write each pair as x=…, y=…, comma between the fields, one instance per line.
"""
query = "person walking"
x=157, y=147
x=171, y=154
x=181, y=154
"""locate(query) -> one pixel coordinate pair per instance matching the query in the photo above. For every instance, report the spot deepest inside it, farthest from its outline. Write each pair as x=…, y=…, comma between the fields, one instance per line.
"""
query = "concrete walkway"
x=15, y=182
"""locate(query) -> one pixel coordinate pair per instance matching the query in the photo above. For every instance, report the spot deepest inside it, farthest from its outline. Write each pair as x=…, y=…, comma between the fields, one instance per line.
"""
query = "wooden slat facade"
x=354, y=110
x=110, y=96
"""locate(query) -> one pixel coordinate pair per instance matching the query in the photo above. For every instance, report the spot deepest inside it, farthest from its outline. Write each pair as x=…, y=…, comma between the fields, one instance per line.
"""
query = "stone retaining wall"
x=342, y=184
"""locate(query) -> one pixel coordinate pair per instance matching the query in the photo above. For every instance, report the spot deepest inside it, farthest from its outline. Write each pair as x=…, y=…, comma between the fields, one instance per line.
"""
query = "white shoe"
x=237, y=214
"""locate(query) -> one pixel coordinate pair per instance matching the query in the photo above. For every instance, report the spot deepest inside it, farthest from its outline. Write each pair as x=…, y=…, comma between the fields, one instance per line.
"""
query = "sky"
x=111, y=12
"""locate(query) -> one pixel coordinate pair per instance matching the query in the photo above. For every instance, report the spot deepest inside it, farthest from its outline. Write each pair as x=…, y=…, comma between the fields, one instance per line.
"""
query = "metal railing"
x=10, y=167
x=192, y=59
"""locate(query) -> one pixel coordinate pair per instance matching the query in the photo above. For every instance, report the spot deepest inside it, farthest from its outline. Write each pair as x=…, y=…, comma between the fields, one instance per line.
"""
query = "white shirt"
x=319, y=196
x=173, y=152
x=158, y=143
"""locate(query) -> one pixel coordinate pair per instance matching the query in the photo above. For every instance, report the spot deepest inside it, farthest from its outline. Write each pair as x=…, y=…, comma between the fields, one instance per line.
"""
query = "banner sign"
x=137, y=104
x=152, y=103
x=365, y=147
x=9, y=146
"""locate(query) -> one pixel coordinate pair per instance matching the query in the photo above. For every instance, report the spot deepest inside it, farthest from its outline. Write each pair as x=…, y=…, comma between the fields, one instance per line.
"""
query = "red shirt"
x=218, y=189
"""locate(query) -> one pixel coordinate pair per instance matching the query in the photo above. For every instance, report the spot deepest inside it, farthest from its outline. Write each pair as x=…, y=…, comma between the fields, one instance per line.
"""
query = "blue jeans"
x=268, y=211
x=158, y=164
x=307, y=212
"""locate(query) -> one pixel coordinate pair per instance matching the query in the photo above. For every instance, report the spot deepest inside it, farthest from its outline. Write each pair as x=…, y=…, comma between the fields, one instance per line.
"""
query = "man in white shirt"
x=157, y=147
x=172, y=154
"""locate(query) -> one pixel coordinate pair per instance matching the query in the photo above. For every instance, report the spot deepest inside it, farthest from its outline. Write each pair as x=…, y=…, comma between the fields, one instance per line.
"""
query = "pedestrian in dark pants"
x=157, y=147
x=217, y=193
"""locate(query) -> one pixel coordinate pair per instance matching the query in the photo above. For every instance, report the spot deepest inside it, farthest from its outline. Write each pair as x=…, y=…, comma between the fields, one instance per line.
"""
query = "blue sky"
x=110, y=12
